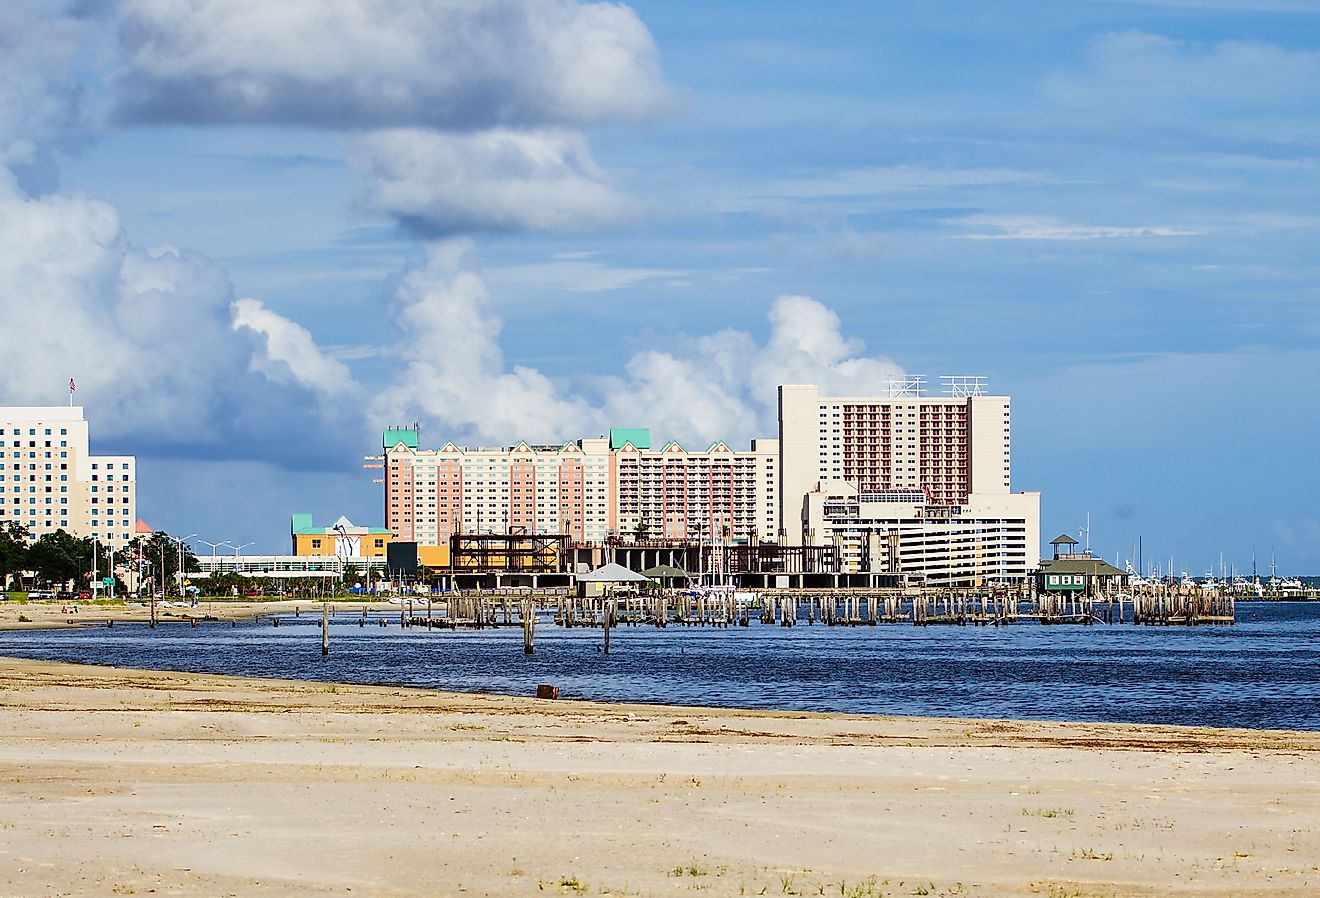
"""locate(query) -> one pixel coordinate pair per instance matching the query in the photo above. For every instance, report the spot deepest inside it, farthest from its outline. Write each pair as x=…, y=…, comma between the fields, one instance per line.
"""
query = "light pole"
x=236, y=549
x=346, y=544
x=180, y=541
x=214, y=546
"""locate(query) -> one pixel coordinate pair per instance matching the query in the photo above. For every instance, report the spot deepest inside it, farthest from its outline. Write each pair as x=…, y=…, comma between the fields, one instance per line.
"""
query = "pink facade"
x=585, y=490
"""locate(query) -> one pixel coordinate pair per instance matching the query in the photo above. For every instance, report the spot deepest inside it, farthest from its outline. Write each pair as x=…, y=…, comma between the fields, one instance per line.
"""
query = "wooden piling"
x=528, y=611
x=325, y=629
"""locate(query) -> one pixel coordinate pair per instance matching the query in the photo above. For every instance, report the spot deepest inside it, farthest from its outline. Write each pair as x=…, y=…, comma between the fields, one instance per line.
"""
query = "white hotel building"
x=50, y=481
x=907, y=480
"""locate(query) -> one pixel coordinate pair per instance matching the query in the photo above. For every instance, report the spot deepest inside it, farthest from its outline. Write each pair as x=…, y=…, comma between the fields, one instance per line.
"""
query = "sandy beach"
x=137, y=782
x=47, y=614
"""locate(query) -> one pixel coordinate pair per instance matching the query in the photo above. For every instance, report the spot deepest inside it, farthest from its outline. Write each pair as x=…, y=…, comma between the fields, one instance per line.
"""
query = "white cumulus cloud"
x=454, y=370
x=290, y=351
x=700, y=388
x=497, y=180
x=380, y=63
x=147, y=334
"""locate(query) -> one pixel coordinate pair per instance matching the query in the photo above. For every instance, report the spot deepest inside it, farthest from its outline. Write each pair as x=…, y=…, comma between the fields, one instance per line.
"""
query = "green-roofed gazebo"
x=667, y=573
x=1063, y=544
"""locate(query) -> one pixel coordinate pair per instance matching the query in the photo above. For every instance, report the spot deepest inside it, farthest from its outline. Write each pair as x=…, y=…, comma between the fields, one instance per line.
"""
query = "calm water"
x=1264, y=672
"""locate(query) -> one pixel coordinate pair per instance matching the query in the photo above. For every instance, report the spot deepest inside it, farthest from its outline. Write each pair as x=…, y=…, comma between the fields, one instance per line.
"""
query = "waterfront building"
x=289, y=567
x=911, y=482
x=715, y=494
x=945, y=447
x=343, y=538
x=432, y=494
x=991, y=538
x=49, y=480
x=588, y=490
x=1078, y=572
x=903, y=482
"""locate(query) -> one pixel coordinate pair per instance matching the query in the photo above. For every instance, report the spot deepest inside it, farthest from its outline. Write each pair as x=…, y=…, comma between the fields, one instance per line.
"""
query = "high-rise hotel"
x=905, y=481
x=49, y=480
x=908, y=481
x=588, y=489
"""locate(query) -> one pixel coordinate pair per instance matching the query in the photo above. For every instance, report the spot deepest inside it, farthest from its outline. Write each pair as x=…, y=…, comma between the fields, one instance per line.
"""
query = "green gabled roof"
x=665, y=570
x=301, y=524
x=640, y=437
x=1063, y=539
x=717, y=444
x=675, y=443
x=393, y=436
x=1094, y=566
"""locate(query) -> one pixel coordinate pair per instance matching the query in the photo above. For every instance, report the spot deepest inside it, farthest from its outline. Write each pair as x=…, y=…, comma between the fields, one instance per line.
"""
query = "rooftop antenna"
x=963, y=386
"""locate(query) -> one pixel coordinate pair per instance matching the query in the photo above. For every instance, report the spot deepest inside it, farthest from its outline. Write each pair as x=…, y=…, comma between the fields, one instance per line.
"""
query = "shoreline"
x=123, y=781
x=381, y=698
x=284, y=695
x=52, y=614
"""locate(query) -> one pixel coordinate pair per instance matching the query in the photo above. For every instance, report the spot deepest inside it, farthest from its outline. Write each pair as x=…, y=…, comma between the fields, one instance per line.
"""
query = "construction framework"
x=772, y=558
x=516, y=553
x=696, y=556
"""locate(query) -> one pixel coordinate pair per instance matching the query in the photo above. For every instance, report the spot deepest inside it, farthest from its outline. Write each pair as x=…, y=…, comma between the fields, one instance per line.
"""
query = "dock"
x=1156, y=606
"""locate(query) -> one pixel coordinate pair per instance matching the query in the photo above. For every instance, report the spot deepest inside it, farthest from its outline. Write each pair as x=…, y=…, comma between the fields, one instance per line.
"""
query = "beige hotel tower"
x=907, y=481
x=49, y=480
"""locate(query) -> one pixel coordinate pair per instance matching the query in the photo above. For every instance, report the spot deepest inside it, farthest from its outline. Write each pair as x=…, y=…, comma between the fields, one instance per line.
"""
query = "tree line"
x=59, y=560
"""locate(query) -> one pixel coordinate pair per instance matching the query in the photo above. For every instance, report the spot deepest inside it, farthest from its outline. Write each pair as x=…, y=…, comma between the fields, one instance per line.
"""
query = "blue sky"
x=1108, y=208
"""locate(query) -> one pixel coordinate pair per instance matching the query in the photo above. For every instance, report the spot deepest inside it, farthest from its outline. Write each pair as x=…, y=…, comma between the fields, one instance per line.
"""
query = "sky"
x=256, y=233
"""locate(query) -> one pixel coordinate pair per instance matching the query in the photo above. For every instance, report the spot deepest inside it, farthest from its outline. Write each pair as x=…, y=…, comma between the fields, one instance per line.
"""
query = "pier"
x=727, y=607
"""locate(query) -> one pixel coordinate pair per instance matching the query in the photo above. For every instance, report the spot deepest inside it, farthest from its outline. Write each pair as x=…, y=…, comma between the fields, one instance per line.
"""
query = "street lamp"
x=236, y=549
x=344, y=543
x=180, y=540
x=214, y=546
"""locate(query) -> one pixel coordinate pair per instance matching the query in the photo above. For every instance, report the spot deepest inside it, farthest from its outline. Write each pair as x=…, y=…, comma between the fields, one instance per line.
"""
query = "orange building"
x=342, y=538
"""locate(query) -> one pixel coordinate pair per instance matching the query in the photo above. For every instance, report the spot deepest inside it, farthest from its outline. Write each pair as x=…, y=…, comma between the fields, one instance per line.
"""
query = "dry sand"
x=136, y=782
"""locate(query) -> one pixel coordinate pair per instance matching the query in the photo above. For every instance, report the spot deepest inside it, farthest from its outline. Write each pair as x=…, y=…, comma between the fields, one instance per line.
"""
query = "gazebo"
x=594, y=582
x=1064, y=545
x=667, y=574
